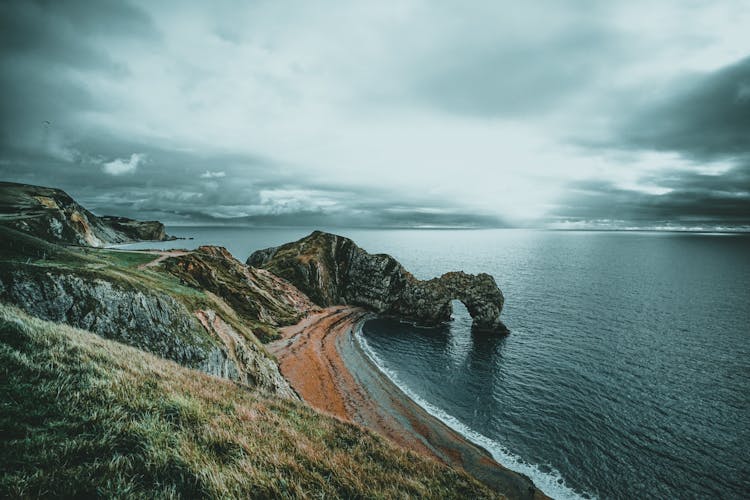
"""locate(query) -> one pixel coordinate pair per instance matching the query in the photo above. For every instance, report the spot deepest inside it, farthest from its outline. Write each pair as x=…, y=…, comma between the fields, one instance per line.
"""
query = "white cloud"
x=280, y=201
x=212, y=175
x=120, y=166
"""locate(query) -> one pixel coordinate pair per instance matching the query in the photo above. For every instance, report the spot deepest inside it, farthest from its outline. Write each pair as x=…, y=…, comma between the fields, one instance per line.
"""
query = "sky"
x=408, y=113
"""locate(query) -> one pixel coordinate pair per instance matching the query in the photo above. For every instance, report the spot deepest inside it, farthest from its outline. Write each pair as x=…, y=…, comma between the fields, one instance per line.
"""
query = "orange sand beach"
x=324, y=363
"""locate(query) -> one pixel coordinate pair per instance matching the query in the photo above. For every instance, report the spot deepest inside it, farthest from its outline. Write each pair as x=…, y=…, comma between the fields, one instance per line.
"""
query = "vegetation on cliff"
x=83, y=416
x=106, y=359
x=131, y=298
x=52, y=215
x=256, y=294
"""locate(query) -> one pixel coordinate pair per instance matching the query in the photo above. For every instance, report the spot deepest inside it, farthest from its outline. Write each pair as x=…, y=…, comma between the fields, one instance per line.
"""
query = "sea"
x=627, y=370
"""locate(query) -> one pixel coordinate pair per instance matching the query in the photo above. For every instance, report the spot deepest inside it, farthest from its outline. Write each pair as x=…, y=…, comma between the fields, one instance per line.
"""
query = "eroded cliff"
x=52, y=215
x=332, y=269
x=256, y=294
x=114, y=295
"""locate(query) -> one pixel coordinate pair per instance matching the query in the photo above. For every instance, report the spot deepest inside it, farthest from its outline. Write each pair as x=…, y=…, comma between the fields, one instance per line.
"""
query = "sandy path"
x=326, y=366
x=162, y=255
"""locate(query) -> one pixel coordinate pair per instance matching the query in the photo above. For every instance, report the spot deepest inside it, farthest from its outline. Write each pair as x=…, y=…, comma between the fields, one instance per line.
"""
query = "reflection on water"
x=459, y=341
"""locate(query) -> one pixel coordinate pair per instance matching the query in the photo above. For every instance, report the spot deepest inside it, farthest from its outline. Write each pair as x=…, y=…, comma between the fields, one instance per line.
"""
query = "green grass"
x=82, y=416
x=121, y=258
x=34, y=255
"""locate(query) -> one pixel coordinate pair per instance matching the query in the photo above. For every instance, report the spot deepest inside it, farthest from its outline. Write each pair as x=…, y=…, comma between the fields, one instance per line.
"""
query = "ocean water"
x=627, y=372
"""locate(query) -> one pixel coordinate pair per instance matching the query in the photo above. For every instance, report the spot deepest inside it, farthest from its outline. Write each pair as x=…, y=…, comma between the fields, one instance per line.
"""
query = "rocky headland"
x=137, y=230
x=333, y=270
x=52, y=215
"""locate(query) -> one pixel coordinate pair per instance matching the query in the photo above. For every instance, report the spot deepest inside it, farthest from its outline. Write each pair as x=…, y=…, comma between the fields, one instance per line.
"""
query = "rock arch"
x=332, y=270
x=481, y=296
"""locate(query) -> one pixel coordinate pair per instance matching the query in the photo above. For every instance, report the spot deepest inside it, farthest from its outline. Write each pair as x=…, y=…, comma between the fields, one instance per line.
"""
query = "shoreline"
x=326, y=366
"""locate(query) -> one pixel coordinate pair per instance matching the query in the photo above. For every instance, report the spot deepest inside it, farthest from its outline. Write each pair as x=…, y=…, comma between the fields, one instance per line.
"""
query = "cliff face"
x=52, y=215
x=151, y=230
x=256, y=294
x=331, y=270
x=114, y=295
x=151, y=321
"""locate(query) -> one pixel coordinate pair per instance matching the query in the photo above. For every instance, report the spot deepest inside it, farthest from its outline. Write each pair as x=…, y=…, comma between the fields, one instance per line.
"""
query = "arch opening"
x=459, y=311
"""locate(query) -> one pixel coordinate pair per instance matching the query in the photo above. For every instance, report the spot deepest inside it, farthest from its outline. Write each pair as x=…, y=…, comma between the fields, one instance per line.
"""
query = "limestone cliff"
x=256, y=294
x=331, y=270
x=137, y=230
x=52, y=215
x=151, y=321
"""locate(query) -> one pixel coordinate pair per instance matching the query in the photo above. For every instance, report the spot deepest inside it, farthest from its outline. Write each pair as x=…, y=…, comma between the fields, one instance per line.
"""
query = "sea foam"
x=551, y=483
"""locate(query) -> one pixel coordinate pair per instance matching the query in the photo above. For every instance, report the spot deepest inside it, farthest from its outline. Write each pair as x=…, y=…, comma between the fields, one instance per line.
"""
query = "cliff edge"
x=133, y=298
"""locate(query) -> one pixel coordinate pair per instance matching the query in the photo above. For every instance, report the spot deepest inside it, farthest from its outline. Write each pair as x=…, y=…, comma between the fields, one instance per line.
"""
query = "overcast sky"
x=483, y=113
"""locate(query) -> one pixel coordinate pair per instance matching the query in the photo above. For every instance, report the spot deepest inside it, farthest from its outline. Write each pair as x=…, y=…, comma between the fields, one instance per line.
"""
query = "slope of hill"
x=131, y=298
x=87, y=417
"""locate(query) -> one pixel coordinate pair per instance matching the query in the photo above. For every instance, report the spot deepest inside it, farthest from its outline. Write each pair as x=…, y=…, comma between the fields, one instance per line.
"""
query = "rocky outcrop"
x=52, y=215
x=256, y=294
x=332, y=270
x=258, y=370
x=152, y=321
x=136, y=230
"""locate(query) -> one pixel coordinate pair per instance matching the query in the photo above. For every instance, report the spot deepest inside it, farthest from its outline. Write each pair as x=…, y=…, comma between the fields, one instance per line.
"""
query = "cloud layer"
x=404, y=113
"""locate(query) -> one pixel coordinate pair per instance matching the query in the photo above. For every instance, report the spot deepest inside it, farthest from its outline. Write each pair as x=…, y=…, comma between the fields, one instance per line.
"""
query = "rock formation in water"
x=331, y=270
x=52, y=215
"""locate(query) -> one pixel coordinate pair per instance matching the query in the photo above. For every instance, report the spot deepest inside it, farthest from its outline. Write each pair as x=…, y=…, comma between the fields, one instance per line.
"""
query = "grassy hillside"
x=83, y=416
x=34, y=255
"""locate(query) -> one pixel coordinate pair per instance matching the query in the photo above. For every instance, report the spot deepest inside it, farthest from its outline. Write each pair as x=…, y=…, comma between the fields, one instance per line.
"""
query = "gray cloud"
x=499, y=68
x=693, y=200
x=46, y=48
x=173, y=186
x=383, y=114
x=702, y=116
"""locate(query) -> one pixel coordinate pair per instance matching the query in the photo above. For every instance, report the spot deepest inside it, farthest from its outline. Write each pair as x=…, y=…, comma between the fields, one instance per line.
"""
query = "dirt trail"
x=162, y=255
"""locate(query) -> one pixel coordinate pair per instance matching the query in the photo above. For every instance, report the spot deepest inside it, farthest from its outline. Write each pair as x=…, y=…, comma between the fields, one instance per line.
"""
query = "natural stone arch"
x=332, y=270
x=458, y=309
x=477, y=292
